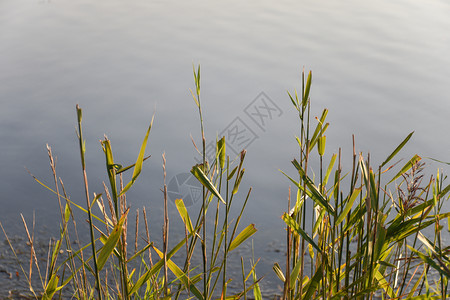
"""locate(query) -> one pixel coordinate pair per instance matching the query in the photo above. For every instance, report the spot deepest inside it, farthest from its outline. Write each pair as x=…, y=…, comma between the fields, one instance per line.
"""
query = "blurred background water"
x=381, y=68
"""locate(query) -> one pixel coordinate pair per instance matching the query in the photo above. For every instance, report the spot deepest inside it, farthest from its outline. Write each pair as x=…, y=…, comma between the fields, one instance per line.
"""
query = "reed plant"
x=106, y=267
x=365, y=239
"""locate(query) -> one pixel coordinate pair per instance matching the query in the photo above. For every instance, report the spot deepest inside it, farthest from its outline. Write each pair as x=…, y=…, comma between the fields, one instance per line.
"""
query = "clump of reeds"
x=103, y=268
x=365, y=239
x=365, y=232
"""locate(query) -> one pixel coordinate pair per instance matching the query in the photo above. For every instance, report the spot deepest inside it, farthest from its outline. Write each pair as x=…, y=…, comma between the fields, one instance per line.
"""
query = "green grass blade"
x=314, y=283
x=123, y=169
x=330, y=168
x=296, y=227
x=156, y=267
x=204, y=180
x=242, y=236
x=139, y=161
x=416, y=158
x=111, y=242
x=140, y=252
x=315, y=194
x=399, y=147
x=295, y=272
x=348, y=206
x=277, y=269
x=51, y=287
x=181, y=276
x=307, y=89
x=443, y=271
x=221, y=152
x=184, y=215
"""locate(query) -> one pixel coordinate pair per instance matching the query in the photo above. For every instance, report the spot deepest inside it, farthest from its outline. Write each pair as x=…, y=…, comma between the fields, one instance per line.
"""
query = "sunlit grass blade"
x=297, y=228
x=416, y=158
x=123, y=169
x=314, y=194
x=184, y=214
x=307, y=89
x=111, y=242
x=51, y=288
x=314, y=283
x=295, y=272
x=242, y=237
x=348, y=206
x=156, y=268
x=139, y=161
x=438, y=267
x=204, y=180
x=221, y=147
x=399, y=147
x=181, y=276
x=277, y=269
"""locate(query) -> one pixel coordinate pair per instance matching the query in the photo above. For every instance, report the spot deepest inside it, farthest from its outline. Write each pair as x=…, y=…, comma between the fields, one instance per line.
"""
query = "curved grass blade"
x=296, y=227
x=313, y=283
x=416, y=158
x=139, y=161
x=314, y=194
x=111, y=242
x=184, y=214
x=156, y=267
x=348, y=206
x=204, y=180
x=242, y=236
x=181, y=276
x=51, y=288
x=399, y=147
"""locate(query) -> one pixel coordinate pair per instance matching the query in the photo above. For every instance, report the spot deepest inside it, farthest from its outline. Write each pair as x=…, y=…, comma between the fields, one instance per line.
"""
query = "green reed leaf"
x=181, y=276
x=295, y=103
x=184, y=215
x=295, y=272
x=277, y=269
x=140, y=252
x=204, y=180
x=348, y=206
x=319, y=128
x=242, y=237
x=441, y=268
x=139, y=161
x=314, y=283
x=51, y=287
x=314, y=194
x=156, y=267
x=111, y=242
x=330, y=168
x=121, y=169
x=232, y=173
x=221, y=152
x=297, y=228
x=238, y=181
x=399, y=147
x=307, y=89
x=321, y=145
x=416, y=158
x=67, y=212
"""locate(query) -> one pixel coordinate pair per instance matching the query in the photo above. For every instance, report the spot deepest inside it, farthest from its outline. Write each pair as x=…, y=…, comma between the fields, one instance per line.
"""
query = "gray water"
x=381, y=68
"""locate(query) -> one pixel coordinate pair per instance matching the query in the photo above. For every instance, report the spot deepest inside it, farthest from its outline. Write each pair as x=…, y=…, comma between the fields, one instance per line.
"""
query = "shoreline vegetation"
x=365, y=240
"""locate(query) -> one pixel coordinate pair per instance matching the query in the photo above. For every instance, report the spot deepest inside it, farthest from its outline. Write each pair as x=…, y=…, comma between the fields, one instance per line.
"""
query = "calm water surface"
x=382, y=69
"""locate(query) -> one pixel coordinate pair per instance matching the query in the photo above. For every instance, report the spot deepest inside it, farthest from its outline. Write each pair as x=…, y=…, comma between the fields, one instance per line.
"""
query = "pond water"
x=381, y=68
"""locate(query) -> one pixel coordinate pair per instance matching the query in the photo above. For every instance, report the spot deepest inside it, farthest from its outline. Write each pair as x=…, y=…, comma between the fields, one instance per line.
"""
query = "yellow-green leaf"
x=241, y=237
x=140, y=159
x=184, y=214
x=111, y=242
x=204, y=180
